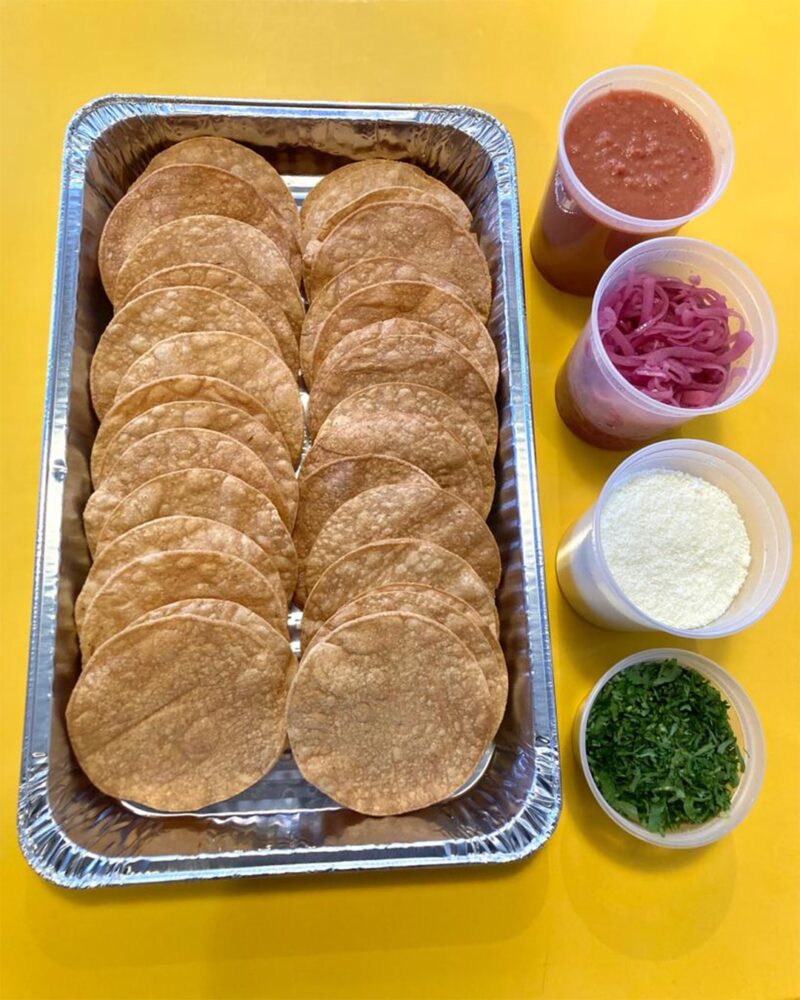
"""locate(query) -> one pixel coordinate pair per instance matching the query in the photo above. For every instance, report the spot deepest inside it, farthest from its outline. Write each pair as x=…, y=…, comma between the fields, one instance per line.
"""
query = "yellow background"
x=592, y=915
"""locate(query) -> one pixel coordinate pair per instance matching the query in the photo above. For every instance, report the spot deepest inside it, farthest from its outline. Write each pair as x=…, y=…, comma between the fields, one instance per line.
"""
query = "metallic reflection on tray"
x=72, y=834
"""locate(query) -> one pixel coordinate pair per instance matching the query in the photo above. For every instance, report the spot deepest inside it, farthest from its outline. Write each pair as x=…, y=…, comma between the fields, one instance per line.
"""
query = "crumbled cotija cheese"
x=676, y=545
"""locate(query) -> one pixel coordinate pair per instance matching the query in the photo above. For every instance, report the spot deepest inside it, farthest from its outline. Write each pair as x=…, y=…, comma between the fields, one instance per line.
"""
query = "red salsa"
x=639, y=154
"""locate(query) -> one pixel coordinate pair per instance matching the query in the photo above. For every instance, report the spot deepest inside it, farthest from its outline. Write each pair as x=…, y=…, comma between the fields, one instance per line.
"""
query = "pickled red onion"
x=672, y=339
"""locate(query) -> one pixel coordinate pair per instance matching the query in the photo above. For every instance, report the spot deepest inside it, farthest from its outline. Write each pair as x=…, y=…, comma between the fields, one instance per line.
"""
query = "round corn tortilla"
x=426, y=235
x=163, y=577
x=455, y=603
x=216, y=495
x=404, y=510
x=354, y=180
x=430, y=404
x=176, y=192
x=218, y=417
x=212, y=239
x=285, y=234
x=242, y=290
x=402, y=350
x=447, y=610
x=156, y=316
x=395, y=193
x=401, y=560
x=235, y=359
x=172, y=533
x=372, y=426
x=371, y=271
x=179, y=713
x=168, y=390
x=325, y=490
x=237, y=159
x=389, y=714
x=226, y=611
x=411, y=300
x=167, y=451
x=210, y=607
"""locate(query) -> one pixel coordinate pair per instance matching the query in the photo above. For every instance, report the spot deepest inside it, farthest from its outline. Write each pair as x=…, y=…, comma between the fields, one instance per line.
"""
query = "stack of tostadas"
x=201, y=532
x=402, y=683
x=182, y=618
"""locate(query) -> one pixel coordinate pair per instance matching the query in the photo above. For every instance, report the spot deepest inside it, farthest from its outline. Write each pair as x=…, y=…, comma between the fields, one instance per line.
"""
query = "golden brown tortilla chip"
x=370, y=426
x=285, y=235
x=224, y=242
x=402, y=350
x=322, y=492
x=167, y=390
x=411, y=300
x=422, y=401
x=404, y=510
x=173, y=192
x=163, y=577
x=395, y=193
x=460, y=618
x=402, y=560
x=244, y=291
x=180, y=713
x=389, y=714
x=210, y=607
x=455, y=603
x=172, y=533
x=167, y=451
x=237, y=159
x=423, y=234
x=213, y=494
x=353, y=181
x=238, y=360
x=222, y=417
x=370, y=271
x=218, y=417
x=160, y=314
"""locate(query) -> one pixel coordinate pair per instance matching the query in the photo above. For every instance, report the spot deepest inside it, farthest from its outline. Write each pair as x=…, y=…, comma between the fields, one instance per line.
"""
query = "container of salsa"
x=641, y=151
x=596, y=394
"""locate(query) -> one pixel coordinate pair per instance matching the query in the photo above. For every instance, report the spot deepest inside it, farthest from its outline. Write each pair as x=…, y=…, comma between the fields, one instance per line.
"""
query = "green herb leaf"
x=661, y=748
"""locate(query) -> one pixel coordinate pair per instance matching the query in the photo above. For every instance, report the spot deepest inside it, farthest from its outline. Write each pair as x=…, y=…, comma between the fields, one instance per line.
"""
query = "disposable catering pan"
x=72, y=834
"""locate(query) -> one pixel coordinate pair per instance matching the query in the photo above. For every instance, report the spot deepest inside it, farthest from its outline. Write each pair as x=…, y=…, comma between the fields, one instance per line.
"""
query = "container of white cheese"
x=686, y=537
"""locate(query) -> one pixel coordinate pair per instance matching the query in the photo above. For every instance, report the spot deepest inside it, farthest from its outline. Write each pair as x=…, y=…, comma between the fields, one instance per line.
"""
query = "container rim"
x=597, y=208
x=752, y=778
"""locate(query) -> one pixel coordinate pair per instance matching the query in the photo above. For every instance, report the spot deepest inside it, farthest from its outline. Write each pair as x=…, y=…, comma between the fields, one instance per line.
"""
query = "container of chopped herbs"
x=671, y=747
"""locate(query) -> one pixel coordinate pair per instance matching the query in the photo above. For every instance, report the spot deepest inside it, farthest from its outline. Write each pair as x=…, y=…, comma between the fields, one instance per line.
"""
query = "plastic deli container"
x=594, y=399
x=586, y=580
x=746, y=727
x=576, y=235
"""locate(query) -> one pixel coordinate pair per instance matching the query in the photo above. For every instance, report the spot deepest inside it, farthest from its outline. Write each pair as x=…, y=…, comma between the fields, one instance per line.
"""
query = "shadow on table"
x=682, y=898
x=283, y=917
x=683, y=895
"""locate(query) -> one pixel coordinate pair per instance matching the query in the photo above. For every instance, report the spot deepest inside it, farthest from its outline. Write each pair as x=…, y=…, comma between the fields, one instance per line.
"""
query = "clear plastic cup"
x=746, y=727
x=601, y=407
x=589, y=586
x=576, y=236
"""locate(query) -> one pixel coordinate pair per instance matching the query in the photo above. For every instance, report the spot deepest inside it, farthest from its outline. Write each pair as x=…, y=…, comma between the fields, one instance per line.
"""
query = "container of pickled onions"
x=678, y=329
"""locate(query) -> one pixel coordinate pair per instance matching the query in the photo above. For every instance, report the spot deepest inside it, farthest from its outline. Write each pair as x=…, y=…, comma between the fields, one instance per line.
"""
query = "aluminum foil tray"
x=72, y=834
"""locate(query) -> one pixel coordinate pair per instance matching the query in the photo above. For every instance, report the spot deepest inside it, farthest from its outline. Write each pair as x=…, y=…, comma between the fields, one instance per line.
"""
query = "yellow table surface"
x=593, y=914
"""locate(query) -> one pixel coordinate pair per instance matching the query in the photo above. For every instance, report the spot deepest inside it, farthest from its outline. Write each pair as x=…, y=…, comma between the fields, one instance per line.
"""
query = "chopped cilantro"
x=661, y=748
